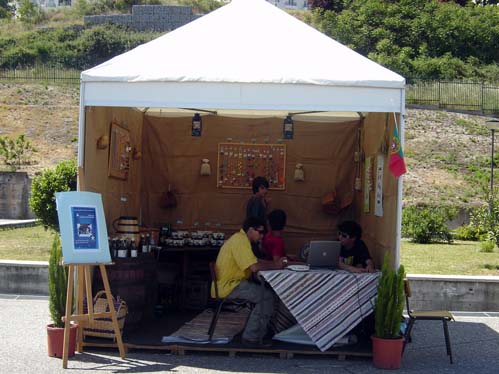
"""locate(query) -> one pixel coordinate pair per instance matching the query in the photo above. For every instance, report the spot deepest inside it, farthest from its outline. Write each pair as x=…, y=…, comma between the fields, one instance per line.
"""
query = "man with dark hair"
x=354, y=255
x=257, y=204
x=235, y=265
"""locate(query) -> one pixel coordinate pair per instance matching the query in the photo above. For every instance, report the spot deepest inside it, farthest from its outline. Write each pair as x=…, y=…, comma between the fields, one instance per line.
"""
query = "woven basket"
x=103, y=327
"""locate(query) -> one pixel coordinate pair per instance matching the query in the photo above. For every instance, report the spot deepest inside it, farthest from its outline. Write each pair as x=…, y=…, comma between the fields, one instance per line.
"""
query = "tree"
x=6, y=10
x=44, y=187
x=334, y=5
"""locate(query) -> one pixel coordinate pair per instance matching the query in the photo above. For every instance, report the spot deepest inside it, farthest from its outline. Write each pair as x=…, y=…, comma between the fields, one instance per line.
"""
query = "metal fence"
x=41, y=73
x=454, y=95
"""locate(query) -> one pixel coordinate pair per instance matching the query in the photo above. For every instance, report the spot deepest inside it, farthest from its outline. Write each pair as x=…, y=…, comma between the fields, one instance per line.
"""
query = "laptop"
x=324, y=254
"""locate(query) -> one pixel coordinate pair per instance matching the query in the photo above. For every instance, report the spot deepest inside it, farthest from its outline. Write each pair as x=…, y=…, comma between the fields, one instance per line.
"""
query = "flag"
x=397, y=163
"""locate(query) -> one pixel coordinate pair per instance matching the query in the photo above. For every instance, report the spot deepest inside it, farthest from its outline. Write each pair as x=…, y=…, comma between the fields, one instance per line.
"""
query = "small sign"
x=83, y=228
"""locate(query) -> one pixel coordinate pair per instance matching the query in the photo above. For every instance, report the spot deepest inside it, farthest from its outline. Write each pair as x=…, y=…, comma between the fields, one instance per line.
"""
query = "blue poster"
x=85, y=230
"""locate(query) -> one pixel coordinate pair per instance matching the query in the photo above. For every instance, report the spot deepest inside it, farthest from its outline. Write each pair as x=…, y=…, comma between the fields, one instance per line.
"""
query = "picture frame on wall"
x=119, y=152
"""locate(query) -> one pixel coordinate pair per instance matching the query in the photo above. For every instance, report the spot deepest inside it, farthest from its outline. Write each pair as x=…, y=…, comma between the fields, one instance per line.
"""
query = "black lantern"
x=197, y=125
x=287, y=128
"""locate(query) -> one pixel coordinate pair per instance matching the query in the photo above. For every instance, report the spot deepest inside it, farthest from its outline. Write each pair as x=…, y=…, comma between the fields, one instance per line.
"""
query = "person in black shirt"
x=354, y=255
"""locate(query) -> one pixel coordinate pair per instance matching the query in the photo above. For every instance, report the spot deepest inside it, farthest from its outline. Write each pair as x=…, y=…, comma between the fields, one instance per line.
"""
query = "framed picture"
x=83, y=228
x=119, y=152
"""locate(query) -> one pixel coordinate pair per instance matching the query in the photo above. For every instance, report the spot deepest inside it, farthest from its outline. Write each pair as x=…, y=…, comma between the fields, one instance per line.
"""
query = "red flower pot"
x=387, y=353
x=55, y=340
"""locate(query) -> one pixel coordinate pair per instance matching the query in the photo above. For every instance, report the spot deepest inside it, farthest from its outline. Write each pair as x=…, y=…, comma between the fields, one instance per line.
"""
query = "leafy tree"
x=44, y=187
x=30, y=13
x=6, y=9
x=334, y=5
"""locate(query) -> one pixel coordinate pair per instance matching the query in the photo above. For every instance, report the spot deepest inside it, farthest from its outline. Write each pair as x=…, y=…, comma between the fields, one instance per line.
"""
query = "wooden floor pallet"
x=232, y=351
x=283, y=353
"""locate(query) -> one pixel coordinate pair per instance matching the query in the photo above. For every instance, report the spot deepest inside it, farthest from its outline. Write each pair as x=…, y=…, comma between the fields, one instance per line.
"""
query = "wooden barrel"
x=127, y=227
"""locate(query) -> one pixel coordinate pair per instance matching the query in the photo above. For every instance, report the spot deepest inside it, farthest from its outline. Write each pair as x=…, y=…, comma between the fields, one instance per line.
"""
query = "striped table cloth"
x=327, y=304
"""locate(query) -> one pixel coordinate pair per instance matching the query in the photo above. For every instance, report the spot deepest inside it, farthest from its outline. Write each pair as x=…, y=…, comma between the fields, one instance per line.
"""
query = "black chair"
x=433, y=315
x=221, y=302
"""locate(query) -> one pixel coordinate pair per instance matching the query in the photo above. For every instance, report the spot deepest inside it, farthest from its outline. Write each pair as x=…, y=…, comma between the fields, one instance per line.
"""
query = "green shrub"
x=58, y=279
x=467, y=232
x=44, y=187
x=487, y=246
x=486, y=222
x=427, y=224
x=16, y=152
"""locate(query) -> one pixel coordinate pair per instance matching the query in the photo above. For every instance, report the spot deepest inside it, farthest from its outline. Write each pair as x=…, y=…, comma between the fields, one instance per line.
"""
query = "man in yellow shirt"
x=235, y=264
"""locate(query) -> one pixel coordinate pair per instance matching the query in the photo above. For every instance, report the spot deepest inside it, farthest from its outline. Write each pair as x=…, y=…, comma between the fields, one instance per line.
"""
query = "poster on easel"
x=239, y=164
x=83, y=228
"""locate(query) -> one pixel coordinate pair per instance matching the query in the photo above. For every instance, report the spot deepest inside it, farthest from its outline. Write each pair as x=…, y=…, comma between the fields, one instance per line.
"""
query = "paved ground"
x=475, y=342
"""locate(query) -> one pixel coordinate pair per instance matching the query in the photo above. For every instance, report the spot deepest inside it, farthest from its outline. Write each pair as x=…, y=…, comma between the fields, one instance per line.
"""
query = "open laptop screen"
x=324, y=253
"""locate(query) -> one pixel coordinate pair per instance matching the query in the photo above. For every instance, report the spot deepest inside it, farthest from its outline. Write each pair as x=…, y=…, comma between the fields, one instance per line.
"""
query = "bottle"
x=148, y=243
x=114, y=247
x=133, y=249
x=142, y=245
x=121, y=248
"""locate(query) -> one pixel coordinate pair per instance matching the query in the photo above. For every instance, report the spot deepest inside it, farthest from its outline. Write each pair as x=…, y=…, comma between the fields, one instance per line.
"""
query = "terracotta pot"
x=387, y=353
x=55, y=340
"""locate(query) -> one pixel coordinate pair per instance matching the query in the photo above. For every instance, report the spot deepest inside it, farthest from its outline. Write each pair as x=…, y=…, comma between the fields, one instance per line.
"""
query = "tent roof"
x=247, y=55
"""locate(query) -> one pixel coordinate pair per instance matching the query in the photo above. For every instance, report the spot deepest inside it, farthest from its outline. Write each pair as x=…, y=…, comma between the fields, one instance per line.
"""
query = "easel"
x=85, y=280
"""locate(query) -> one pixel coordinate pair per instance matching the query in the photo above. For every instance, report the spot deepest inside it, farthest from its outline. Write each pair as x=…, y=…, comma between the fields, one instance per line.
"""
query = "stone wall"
x=148, y=17
x=15, y=189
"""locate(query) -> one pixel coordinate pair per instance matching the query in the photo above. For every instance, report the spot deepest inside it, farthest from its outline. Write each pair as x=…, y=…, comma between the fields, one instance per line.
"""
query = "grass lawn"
x=459, y=258
x=28, y=243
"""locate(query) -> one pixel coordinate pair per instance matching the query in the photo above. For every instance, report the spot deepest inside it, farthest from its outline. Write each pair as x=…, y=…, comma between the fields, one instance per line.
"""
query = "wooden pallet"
x=282, y=352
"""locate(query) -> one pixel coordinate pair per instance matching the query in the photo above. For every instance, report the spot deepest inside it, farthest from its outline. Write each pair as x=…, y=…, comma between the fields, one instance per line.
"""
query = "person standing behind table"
x=354, y=255
x=235, y=264
x=258, y=204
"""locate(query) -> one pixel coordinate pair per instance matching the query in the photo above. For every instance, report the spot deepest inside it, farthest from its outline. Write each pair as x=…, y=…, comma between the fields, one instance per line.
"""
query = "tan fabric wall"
x=94, y=176
x=379, y=232
x=173, y=156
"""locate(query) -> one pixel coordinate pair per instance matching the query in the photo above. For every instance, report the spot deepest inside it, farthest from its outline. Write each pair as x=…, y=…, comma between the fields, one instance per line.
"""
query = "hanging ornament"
x=299, y=173
x=205, y=167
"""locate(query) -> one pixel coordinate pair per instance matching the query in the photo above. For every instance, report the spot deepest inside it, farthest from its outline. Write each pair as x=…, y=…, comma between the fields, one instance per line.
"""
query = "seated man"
x=354, y=255
x=235, y=265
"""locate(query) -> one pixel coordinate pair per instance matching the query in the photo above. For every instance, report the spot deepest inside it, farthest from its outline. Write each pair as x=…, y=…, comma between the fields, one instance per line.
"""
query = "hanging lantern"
x=197, y=125
x=287, y=128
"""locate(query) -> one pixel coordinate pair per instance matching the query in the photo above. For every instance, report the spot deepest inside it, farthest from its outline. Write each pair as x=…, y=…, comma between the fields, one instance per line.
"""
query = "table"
x=327, y=304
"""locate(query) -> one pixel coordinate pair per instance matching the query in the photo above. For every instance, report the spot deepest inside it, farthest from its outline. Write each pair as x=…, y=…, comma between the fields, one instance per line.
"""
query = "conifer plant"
x=389, y=305
x=57, y=279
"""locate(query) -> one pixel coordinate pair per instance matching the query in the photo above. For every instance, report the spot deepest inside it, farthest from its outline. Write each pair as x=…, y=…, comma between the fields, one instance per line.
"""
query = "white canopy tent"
x=248, y=58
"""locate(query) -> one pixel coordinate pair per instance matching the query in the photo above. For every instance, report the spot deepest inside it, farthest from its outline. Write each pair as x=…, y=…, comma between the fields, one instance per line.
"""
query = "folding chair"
x=222, y=301
x=435, y=315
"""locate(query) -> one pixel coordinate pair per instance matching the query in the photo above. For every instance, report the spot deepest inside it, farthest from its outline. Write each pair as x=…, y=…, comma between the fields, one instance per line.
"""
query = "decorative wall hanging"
x=197, y=125
x=119, y=153
x=368, y=183
x=205, y=167
x=239, y=164
x=299, y=173
x=380, y=165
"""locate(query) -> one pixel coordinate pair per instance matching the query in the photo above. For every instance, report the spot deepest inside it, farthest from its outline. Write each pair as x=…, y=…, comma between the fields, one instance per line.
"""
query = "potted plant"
x=58, y=278
x=387, y=339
